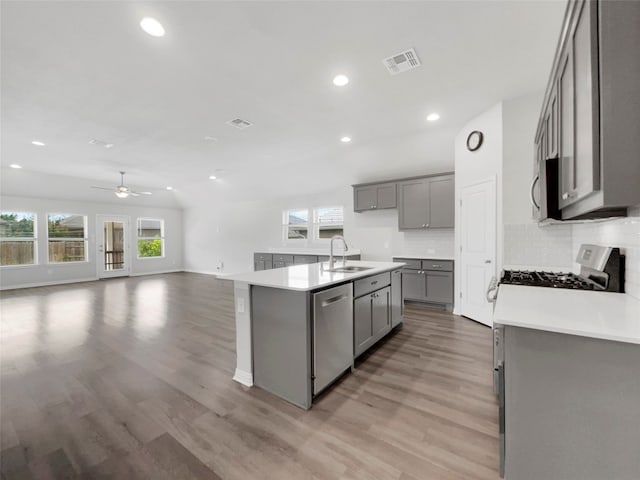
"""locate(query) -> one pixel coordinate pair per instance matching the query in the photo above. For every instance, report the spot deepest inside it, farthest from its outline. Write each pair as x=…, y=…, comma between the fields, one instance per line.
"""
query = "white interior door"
x=478, y=248
x=113, y=242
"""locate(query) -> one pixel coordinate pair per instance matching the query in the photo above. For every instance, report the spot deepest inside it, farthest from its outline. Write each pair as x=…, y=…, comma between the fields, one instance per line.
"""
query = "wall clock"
x=474, y=140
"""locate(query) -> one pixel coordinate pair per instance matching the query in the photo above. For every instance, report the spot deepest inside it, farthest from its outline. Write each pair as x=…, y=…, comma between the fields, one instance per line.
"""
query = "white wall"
x=43, y=273
x=474, y=167
x=231, y=233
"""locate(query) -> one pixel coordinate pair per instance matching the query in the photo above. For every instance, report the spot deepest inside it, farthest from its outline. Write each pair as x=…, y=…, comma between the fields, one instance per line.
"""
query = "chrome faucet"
x=346, y=247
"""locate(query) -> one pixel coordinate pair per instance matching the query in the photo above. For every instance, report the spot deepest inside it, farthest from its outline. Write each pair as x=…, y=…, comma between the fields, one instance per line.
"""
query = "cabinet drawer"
x=277, y=257
x=411, y=263
x=304, y=259
x=370, y=284
x=262, y=256
x=438, y=265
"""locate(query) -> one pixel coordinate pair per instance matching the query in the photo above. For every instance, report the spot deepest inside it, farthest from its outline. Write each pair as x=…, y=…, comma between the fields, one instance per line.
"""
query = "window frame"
x=317, y=224
x=85, y=238
x=286, y=226
x=33, y=239
x=161, y=238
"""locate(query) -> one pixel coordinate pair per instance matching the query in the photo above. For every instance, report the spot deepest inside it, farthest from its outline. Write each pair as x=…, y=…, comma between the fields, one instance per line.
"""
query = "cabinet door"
x=386, y=196
x=259, y=265
x=439, y=287
x=413, y=285
x=304, y=259
x=441, y=202
x=566, y=123
x=362, y=333
x=364, y=198
x=412, y=212
x=586, y=177
x=551, y=124
x=381, y=313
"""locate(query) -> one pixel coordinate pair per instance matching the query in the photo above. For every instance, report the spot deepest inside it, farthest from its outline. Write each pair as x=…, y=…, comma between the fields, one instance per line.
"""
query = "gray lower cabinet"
x=428, y=281
x=371, y=318
x=426, y=203
x=570, y=407
x=304, y=259
x=262, y=261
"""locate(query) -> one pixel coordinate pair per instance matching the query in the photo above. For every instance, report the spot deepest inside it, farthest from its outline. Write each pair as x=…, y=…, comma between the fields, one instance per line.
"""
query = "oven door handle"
x=492, y=290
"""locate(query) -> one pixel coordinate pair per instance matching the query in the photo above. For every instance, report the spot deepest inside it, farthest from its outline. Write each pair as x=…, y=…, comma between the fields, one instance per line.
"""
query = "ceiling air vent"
x=401, y=62
x=239, y=123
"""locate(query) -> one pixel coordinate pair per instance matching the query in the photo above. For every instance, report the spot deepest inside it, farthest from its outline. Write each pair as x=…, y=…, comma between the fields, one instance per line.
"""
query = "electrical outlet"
x=241, y=305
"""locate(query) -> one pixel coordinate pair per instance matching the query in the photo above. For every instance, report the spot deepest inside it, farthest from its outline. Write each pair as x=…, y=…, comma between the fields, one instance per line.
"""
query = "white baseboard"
x=156, y=273
x=245, y=378
x=203, y=272
x=48, y=284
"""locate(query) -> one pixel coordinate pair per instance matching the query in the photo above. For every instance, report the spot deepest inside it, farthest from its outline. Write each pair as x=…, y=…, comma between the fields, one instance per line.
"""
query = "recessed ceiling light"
x=15, y=165
x=345, y=139
x=169, y=188
x=38, y=143
x=340, y=80
x=432, y=117
x=212, y=177
x=152, y=27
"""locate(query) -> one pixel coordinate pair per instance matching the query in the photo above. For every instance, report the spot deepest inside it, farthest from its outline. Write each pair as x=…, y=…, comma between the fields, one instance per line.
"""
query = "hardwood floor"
x=131, y=379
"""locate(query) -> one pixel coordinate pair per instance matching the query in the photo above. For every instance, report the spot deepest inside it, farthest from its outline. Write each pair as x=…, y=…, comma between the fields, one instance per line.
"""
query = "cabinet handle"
x=374, y=282
x=436, y=266
x=567, y=195
x=531, y=190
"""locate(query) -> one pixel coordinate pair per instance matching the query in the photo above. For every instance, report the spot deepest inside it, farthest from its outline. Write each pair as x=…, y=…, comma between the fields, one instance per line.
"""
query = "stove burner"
x=547, y=279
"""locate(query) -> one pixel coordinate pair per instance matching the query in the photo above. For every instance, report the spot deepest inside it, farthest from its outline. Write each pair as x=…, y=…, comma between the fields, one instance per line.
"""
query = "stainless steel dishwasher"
x=332, y=335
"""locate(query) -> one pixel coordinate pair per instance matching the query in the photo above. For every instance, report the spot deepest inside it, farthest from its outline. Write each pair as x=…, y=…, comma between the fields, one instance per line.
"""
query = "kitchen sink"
x=349, y=269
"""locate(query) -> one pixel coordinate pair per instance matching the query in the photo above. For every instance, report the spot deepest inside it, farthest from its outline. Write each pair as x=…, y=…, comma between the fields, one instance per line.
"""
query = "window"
x=150, y=238
x=67, y=237
x=296, y=224
x=17, y=238
x=329, y=222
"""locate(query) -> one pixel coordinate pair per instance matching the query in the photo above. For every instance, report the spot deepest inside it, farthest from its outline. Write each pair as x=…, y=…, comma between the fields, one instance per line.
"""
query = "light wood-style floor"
x=131, y=378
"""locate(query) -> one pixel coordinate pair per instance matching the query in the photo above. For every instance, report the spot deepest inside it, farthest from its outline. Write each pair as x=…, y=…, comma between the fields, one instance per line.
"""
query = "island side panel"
x=572, y=407
x=244, y=364
x=281, y=337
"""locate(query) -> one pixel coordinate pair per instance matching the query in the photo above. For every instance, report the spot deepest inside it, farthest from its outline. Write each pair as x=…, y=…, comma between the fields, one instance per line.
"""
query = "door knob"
x=487, y=261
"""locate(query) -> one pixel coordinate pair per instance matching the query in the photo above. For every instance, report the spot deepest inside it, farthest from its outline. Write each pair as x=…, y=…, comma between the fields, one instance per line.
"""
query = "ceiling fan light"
x=121, y=194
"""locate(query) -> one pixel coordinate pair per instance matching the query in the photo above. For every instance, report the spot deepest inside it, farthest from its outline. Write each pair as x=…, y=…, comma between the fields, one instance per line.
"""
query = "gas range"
x=601, y=269
x=548, y=279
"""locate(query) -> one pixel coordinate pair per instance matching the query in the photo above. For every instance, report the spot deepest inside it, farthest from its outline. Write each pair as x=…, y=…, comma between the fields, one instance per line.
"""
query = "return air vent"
x=401, y=62
x=239, y=123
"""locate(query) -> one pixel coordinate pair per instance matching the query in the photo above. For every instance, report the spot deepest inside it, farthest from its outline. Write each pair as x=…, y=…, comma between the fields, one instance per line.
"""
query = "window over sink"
x=328, y=221
x=313, y=225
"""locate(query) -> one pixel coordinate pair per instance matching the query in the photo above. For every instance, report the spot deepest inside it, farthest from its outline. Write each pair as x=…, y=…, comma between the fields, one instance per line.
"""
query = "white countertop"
x=310, y=277
x=605, y=315
x=311, y=251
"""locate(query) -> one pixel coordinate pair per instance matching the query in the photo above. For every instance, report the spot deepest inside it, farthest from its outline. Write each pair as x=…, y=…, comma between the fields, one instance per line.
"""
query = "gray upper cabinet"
x=590, y=113
x=372, y=197
x=441, y=203
x=426, y=203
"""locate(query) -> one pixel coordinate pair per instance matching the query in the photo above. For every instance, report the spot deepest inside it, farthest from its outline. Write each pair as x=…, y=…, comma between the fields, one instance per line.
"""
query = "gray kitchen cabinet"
x=371, y=319
x=396, y=297
x=262, y=261
x=374, y=196
x=414, y=285
x=593, y=95
x=426, y=203
x=428, y=281
x=439, y=287
x=441, y=202
x=304, y=259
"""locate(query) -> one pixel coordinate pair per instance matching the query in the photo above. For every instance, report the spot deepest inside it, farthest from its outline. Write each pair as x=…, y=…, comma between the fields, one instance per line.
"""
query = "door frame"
x=100, y=271
x=493, y=185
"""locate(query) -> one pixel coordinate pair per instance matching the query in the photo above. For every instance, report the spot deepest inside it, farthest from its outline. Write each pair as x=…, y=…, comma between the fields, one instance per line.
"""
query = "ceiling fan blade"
x=102, y=188
x=141, y=193
x=134, y=194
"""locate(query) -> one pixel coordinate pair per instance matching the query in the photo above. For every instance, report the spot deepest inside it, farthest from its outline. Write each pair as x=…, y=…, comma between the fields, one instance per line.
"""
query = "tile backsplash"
x=555, y=246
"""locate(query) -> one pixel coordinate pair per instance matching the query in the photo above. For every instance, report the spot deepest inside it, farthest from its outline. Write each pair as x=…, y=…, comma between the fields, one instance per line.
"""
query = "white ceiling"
x=73, y=71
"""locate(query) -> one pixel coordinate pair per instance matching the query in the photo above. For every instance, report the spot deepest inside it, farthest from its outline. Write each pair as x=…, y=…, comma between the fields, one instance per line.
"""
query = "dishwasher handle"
x=331, y=300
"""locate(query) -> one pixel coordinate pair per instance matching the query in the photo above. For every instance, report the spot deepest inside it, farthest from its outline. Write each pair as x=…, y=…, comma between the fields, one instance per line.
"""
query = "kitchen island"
x=298, y=328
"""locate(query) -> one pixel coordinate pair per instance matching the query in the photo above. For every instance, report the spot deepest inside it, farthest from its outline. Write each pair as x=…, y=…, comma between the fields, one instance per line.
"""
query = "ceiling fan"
x=122, y=191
